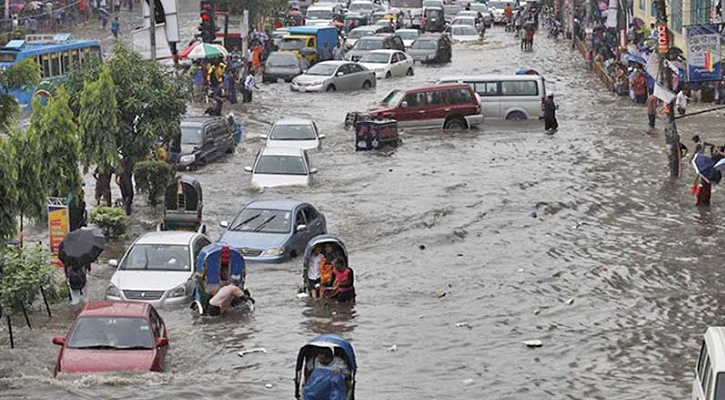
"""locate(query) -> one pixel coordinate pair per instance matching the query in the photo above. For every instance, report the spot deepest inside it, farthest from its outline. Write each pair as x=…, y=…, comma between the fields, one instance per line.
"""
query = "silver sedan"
x=329, y=76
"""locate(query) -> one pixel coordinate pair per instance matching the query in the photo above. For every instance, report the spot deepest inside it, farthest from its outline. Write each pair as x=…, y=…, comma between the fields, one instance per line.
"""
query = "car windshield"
x=452, y=9
x=432, y=3
x=292, y=132
x=319, y=14
x=496, y=4
x=261, y=220
x=375, y=58
x=191, y=134
x=281, y=165
x=322, y=69
x=393, y=98
x=157, y=257
x=292, y=44
x=464, y=21
x=479, y=7
x=360, y=33
x=464, y=30
x=425, y=45
x=282, y=60
x=111, y=333
x=408, y=35
x=364, y=44
x=361, y=7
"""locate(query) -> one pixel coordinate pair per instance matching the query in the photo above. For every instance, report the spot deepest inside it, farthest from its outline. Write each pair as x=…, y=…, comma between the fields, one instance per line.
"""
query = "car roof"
x=438, y=87
x=379, y=36
x=284, y=204
x=112, y=308
x=716, y=342
x=366, y=28
x=333, y=62
x=430, y=36
x=464, y=17
x=293, y=121
x=282, y=151
x=166, y=237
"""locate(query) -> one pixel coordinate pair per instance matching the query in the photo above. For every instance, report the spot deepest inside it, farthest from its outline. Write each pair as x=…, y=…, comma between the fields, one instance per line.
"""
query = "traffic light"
x=206, y=27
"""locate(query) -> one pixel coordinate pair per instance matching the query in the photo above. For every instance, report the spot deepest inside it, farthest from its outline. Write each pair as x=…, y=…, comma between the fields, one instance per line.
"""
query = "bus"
x=55, y=54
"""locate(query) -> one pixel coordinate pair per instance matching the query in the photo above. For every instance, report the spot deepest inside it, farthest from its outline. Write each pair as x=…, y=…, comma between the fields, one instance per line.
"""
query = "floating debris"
x=463, y=324
x=441, y=293
x=257, y=350
x=533, y=343
x=570, y=301
x=269, y=386
x=393, y=348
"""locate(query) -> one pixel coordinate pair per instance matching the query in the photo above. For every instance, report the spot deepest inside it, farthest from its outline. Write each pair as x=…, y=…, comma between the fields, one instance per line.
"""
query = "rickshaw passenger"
x=313, y=271
x=326, y=376
x=344, y=282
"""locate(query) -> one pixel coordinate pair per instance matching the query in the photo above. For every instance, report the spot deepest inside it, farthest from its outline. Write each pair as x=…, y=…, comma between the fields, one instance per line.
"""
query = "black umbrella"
x=82, y=246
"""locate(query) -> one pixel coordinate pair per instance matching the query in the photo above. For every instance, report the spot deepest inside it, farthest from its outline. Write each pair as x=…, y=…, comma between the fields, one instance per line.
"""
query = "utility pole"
x=152, y=28
x=672, y=138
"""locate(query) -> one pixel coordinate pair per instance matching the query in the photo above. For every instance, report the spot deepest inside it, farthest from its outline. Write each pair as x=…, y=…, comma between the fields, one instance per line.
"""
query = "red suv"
x=450, y=106
x=114, y=336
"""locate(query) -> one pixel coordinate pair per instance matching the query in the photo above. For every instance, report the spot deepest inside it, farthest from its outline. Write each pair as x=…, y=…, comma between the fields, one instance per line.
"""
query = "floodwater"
x=510, y=223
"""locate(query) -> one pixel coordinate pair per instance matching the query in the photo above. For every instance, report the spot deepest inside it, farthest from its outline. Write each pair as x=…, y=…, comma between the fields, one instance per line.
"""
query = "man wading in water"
x=550, y=123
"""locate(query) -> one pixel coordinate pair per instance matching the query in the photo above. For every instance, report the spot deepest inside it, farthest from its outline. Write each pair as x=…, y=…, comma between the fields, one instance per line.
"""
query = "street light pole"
x=152, y=28
x=672, y=138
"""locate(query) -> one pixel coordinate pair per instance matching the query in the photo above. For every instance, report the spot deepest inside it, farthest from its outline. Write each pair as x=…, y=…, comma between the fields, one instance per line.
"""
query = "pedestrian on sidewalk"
x=115, y=27
x=651, y=105
x=249, y=85
x=550, y=123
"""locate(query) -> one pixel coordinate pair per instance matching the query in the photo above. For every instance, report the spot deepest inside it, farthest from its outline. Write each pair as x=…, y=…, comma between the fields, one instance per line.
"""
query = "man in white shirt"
x=313, y=272
x=249, y=85
x=681, y=102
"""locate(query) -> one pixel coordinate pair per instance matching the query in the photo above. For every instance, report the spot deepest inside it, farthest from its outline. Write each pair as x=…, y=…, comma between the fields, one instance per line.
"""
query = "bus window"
x=65, y=62
x=76, y=56
x=54, y=64
x=45, y=62
x=8, y=57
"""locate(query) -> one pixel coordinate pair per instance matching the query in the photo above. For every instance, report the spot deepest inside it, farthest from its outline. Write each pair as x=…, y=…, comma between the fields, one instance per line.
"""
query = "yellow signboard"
x=57, y=228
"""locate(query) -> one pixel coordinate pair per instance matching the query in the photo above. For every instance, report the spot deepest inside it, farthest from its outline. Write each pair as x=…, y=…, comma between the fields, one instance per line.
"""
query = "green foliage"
x=75, y=80
x=98, y=121
x=31, y=187
x=8, y=190
x=53, y=126
x=24, y=271
x=17, y=33
x=20, y=76
x=153, y=177
x=111, y=220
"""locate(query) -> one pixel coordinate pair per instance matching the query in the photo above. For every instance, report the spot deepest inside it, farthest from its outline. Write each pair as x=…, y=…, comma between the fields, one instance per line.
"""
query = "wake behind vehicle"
x=336, y=379
x=273, y=230
x=216, y=266
x=113, y=336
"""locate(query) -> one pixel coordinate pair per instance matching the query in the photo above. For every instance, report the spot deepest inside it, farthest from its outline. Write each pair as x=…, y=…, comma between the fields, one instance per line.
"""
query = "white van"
x=511, y=97
x=709, y=381
x=319, y=14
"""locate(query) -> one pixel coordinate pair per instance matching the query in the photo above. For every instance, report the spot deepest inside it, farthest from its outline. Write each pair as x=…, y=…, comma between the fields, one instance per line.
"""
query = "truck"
x=300, y=37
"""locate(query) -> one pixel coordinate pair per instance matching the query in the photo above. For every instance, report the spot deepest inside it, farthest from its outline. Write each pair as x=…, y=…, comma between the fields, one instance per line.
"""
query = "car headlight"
x=317, y=83
x=112, y=291
x=379, y=69
x=274, y=251
x=178, y=291
x=189, y=158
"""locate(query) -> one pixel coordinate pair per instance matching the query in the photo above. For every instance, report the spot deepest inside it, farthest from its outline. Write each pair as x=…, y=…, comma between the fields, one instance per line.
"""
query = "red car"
x=113, y=336
x=448, y=106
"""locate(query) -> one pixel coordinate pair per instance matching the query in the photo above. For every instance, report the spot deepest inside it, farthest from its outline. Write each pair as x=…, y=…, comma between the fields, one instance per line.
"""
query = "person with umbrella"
x=77, y=251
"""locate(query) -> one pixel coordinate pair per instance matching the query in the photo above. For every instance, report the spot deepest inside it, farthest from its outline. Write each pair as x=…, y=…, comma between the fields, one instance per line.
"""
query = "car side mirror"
x=322, y=136
x=224, y=224
x=404, y=104
x=313, y=171
x=340, y=73
x=162, y=342
x=59, y=340
x=247, y=169
x=113, y=262
x=301, y=227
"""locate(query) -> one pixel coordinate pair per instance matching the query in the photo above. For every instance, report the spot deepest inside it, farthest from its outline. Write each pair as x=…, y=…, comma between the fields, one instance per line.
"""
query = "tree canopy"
x=98, y=121
x=19, y=76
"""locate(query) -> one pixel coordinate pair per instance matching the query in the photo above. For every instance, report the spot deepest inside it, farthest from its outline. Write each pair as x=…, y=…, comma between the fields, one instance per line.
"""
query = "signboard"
x=704, y=58
x=663, y=40
x=141, y=42
x=57, y=226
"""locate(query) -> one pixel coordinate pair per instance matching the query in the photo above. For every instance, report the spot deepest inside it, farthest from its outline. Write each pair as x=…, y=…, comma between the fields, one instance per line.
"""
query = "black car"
x=431, y=48
x=204, y=140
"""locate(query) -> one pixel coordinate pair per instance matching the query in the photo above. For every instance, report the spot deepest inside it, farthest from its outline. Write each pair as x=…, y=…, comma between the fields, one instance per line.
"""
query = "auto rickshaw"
x=216, y=266
x=434, y=19
x=352, y=21
x=336, y=248
x=183, y=203
x=312, y=377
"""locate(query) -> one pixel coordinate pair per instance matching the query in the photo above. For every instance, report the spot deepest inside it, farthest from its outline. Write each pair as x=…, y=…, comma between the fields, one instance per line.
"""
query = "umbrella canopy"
x=82, y=246
x=185, y=53
x=206, y=50
x=708, y=169
x=17, y=7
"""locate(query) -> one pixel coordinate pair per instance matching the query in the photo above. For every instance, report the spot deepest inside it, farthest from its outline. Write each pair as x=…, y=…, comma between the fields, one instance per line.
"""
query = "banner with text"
x=57, y=228
x=704, y=57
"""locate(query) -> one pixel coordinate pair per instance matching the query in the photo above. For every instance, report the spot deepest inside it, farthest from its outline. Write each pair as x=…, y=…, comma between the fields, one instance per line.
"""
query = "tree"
x=25, y=270
x=31, y=188
x=8, y=191
x=22, y=75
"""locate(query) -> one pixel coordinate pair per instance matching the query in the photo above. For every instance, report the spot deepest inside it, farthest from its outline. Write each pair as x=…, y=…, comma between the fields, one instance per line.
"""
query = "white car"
x=280, y=166
x=388, y=63
x=463, y=33
x=466, y=20
x=294, y=133
x=408, y=36
x=157, y=268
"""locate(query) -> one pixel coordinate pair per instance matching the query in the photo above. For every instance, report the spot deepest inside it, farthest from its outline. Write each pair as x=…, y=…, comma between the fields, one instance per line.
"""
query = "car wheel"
x=331, y=88
x=368, y=85
x=410, y=72
x=388, y=75
x=515, y=116
x=455, y=123
x=293, y=254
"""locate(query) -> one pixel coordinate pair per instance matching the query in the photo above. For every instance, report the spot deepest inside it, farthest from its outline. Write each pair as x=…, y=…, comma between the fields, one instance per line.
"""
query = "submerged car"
x=113, y=336
x=388, y=63
x=377, y=42
x=294, y=133
x=280, y=166
x=282, y=65
x=408, y=36
x=330, y=76
x=273, y=230
x=431, y=48
x=157, y=268
x=463, y=33
x=204, y=139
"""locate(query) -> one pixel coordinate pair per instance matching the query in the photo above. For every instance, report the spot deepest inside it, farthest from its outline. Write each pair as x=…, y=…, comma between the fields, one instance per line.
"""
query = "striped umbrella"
x=206, y=50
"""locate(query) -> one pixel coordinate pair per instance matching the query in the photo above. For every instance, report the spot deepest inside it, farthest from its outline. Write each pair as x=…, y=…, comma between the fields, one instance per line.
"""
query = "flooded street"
x=506, y=220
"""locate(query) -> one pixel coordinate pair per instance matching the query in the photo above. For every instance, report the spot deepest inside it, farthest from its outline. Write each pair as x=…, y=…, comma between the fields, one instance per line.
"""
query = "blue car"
x=273, y=230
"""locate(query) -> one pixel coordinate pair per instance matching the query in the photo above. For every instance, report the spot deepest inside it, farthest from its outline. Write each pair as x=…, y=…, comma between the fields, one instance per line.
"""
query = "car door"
x=393, y=64
x=357, y=76
x=158, y=330
x=207, y=143
x=343, y=81
x=301, y=235
x=314, y=221
x=401, y=64
x=437, y=108
x=413, y=114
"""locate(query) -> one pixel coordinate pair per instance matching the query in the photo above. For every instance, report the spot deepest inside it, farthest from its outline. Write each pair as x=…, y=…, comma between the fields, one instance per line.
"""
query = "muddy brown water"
x=505, y=220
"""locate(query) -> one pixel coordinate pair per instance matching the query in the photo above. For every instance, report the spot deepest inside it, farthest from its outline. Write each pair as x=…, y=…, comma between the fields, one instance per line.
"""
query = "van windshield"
x=393, y=98
x=292, y=44
x=319, y=14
